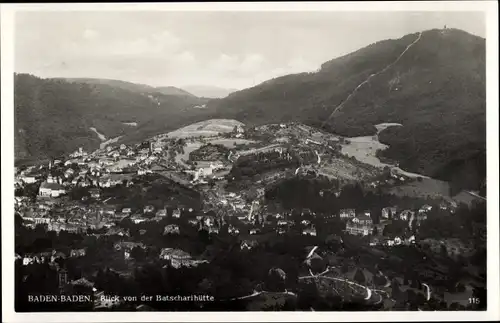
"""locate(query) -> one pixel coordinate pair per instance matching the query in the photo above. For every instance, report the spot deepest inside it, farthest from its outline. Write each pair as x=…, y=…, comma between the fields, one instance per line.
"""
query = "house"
x=388, y=212
x=95, y=193
x=311, y=231
x=127, y=247
x=360, y=225
x=69, y=172
x=161, y=213
x=57, y=255
x=363, y=219
x=193, y=222
x=232, y=230
x=51, y=189
x=137, y=219
x=425, y=208
x=74, y=253
x=305, y=222
x=213, y=230
x=421, y=217
x=248, y=244
x=108, y=209
x=143, y=171
x=374, y=241
x=254, y=231
x=28, y=260
x=28, y=179
x=176, y=213
x=283, y=222
x=178, y=258
x=171, y=229
x=240, y=130
x=148, y=209
x=118, y=231
x=393, y=242
x=127, y=210
x=347, y=213
x=406, y=215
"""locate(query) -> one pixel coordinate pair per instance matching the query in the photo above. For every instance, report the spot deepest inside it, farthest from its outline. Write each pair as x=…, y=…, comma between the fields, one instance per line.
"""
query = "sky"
x=226, y=49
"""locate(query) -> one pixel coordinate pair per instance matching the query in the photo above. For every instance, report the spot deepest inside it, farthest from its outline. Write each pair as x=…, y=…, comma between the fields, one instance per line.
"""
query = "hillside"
x=433, y=83
x=207, y=91
x=53, y=117
x=134, y=87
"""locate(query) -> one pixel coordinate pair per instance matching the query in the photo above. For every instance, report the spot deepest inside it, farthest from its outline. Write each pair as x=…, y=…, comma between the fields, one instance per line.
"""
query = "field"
x=206, y=128
x=365, y=148
x=427, y=187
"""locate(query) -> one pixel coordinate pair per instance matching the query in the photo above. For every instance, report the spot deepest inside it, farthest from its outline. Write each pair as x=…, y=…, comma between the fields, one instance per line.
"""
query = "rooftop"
x=51, y=186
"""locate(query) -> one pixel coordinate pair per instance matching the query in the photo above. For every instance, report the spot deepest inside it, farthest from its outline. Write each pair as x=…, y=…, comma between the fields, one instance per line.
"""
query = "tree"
x=444, y=251
x=137, y=253
x=359, y=276
x=460, y=288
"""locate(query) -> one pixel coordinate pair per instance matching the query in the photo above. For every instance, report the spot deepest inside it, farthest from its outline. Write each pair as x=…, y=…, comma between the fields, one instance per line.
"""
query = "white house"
x=171, y=229
x=176, y=213
x=28, y=179
x=347, y=213
x=51, y=189
x=309, y=231
x=391, y=210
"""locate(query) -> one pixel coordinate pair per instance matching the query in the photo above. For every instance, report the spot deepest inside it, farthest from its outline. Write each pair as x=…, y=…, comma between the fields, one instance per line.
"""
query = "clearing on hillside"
x=207, y=128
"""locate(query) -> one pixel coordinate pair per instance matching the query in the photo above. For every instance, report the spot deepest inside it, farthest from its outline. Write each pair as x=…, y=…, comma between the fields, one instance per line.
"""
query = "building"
x=305, y=222
x=161, y=213
x=361, y=225
x=176, y=213
x=389, y=212
x=127, y=247
x=232, y=230
x=254, y=209
x=95, y=193
x=77, y=253
x=148, y=209
x=248, y=244
x=363, y=219
x=425, y=208
x=178, y=258
x=254, y=231
x=51, y=190
x=311, y=231
x=347, y=213
x=406, y=215
x=171, y=229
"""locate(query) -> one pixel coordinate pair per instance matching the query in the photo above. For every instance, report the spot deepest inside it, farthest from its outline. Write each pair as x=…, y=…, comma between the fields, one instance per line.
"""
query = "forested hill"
x=134, y=87
x=436, y=89
x=54, y=117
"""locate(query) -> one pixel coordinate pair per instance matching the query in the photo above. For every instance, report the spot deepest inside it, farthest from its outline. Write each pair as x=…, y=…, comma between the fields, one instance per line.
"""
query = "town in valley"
x=278, y=216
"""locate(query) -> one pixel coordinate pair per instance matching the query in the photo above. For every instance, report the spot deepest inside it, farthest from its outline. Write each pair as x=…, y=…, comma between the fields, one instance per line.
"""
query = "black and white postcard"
x=250, y=161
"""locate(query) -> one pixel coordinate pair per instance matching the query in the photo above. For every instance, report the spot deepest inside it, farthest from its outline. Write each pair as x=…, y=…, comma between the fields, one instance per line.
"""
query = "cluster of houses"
x=49, y=256
x=361, y=224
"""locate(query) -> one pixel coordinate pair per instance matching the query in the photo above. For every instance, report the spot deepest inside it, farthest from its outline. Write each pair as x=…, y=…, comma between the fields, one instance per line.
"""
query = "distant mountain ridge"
x=208, y=91
x=134, y=87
